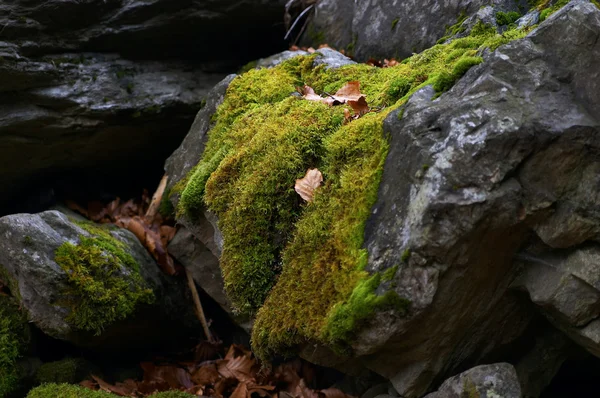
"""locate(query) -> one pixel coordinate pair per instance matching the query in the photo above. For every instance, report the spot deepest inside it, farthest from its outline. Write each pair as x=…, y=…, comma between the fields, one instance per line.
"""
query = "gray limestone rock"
x=486, y=381
x=390, y=28
x=508, y=154
x=89, y=87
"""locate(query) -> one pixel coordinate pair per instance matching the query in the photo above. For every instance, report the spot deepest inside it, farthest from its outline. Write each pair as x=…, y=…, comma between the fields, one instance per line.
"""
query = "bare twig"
x=198, y=304
x=156, y=199
x=297, y=19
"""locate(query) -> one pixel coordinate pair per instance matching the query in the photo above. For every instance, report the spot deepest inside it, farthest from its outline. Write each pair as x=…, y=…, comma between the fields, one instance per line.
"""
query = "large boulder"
x=88, y=86
x=503, y=161
x=482, y=187
x=391, y=28
x=96, y=287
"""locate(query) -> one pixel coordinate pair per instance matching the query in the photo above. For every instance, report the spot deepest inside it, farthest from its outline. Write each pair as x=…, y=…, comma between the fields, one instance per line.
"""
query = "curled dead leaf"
x=306, y=186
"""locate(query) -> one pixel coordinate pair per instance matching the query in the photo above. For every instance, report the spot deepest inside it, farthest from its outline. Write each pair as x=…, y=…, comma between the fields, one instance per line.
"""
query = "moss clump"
x=302, y=266
x=455, y=29
x=104, y=280
x=166, y=208
x=345, y=318
x=68, y=370
x=548, y=7
x=507, y=18
x=72, y=391
x=389, y=273
x=14, y=337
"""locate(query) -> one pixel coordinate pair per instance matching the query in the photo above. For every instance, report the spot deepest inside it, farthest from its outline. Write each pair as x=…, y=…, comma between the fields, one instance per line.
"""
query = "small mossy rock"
x=486, y=381
x=68, y=370
x=73, y=391
x=14, y=343
x=89, y=284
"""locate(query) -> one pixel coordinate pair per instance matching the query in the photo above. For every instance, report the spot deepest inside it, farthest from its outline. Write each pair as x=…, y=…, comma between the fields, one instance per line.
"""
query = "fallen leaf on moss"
x=306, y=186
x=349, y=93
x=360, y=106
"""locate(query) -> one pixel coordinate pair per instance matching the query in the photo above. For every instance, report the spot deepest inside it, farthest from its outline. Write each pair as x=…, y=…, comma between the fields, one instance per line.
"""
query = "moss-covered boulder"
x=402, y=262
x=54, y=390
x=67, y=370
x=89, y=284
x=14, y=342
x=300, y=269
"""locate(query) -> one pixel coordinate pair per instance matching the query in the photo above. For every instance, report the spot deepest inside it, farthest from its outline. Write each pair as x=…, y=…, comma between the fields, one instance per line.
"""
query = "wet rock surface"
x=89, y=87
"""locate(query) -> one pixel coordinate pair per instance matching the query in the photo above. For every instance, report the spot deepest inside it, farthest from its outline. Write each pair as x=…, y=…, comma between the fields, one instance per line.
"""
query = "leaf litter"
x=237, y=375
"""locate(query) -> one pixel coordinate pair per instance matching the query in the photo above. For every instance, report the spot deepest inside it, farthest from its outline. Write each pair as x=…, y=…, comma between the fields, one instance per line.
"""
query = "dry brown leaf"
x=360, y=106
x=263, y=391
x=334, y=393
x=309, y=94
x=239, y=368
x=206, y=374
x=241, y=391
x=306, y=186
x=118, y=390
x=349, y=92
x=92, y=385
x=166, y=234
x=302, y=391
x=75, y=207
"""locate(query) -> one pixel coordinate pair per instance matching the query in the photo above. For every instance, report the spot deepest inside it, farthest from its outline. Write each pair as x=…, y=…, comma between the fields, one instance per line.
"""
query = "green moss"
x=68, y=370
x=507, y=18
x=389, y=273
x=104, y=280
x=66, y=391
x=455, y=29
x=166, y=208
x=72, y=391
x=546, y=9
x=14, y=337
x=405, y=255
x=346, y=318
x=302, y=265
x=249, y=66
x=395, y=23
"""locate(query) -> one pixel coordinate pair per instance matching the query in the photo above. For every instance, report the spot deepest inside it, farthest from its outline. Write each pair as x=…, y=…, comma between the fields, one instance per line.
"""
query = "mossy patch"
x=72, y=391
x=14, y=337
x=104, y=280
x=68, y=370
x=507, y=18
x=302, y=266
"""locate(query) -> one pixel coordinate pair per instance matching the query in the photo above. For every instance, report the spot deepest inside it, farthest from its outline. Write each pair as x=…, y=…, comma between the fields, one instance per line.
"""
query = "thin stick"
x=197, y=304
x=296, y=21
x=156, y=199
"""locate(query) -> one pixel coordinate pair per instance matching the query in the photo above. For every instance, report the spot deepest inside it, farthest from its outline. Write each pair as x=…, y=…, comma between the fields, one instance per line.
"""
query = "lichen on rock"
x=98, y=294
x=299, y=268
